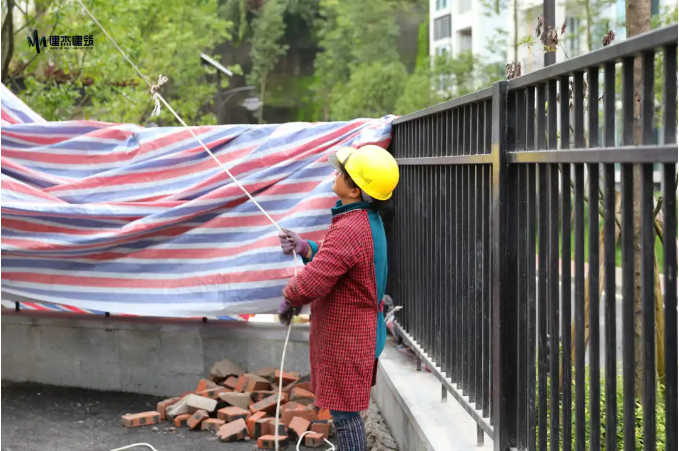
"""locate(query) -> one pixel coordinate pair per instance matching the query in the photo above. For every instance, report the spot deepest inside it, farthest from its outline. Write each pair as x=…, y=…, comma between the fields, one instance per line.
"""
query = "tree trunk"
x=638, y=20
x=602, y=280
x=262, y=91
x=7, y=39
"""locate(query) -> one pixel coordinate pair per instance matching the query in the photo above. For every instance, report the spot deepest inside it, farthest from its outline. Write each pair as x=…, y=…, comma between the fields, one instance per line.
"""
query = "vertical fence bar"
x=458, y=277
x=670, y=248
x=504, y=313
x=593, y=214
x=521, y=285
x=553, y=268
x=628, y=257
x=542, y=274
x=464, y=290
x=610, y=234
x=486, y=376
x=530, y=273
x=565, y=378
x=648, y=253
x=579, y=129
x=477, y=387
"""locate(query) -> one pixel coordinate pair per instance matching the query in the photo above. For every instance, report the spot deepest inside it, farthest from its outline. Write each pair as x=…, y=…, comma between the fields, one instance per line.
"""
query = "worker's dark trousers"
x=350, y=431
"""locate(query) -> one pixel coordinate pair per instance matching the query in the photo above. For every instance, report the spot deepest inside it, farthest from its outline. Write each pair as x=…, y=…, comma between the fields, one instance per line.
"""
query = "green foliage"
x=619, y=404
x=419, y=92
x=372, y=91
x=358, y=49
x=268, y=30
x=161, y=37
x=423, y=45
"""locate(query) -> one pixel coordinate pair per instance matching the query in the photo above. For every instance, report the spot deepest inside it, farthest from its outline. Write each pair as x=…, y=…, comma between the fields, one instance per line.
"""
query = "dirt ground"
x=46, y=418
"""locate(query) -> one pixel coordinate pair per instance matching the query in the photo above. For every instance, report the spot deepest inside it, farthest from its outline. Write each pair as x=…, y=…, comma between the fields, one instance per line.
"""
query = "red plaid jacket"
x=340, y=285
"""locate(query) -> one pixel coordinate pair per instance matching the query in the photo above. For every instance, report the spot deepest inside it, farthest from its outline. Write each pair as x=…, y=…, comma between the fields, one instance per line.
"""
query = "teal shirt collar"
x=338, y=209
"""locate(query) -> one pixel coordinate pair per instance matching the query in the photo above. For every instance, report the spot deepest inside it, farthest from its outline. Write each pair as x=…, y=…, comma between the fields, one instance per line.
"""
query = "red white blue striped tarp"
x=123, y=219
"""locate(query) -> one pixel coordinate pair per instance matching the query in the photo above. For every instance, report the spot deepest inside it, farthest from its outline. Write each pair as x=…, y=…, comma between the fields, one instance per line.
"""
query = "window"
x=442, y=27
x=465, y=38
x=441, y=4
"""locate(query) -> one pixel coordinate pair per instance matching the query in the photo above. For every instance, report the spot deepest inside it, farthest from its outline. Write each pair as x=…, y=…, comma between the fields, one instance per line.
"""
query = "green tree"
x=358, y=48
x=268, y=30
x=420, y=91
x=372, y=91
x=161, y=37
x=332, y=63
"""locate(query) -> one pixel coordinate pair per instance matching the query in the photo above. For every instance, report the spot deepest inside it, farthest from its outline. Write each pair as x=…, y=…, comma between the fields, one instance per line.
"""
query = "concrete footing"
x=417, y=414
x=141, y=355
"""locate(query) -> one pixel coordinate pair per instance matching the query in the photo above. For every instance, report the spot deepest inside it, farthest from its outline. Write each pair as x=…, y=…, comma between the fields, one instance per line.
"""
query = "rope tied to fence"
x=158, y=98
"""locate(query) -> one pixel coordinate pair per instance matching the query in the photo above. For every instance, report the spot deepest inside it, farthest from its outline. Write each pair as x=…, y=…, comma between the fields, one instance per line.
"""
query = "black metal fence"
x=505, y=196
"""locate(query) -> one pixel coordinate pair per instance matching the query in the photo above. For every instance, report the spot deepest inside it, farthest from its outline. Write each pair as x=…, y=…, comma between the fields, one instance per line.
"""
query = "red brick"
x=241, y=383
x=322, y=427
x=232, y=413
x=256, y=383
x=212, y=392
x=302, y=396
x=289, y=405
x=288, y=376
x=163, y=405
x=180, y=420
x=269, y=428
x=251, y=420
x=231, y=432
x=211, y=424
x=305, y=385
x=324, y=414
x=204, y=384
x=197, y=417
x=313, y=440
x=269, y=442
x=306, y=412
x=268, y=405
x=298, y=426
x=261, y=394
x=230, y=382
x=260, y=426
x=133, y=420
x=190, y=392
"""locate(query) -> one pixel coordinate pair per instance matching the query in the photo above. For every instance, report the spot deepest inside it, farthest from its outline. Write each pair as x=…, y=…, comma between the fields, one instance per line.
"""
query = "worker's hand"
x=291, y=241
x=286, y=312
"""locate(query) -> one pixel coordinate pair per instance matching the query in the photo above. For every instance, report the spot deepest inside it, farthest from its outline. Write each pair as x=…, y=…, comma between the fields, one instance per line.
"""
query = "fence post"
x=504, y=339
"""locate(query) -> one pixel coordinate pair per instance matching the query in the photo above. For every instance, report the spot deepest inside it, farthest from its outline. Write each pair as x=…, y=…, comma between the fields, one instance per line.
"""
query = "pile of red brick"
x=236, y=405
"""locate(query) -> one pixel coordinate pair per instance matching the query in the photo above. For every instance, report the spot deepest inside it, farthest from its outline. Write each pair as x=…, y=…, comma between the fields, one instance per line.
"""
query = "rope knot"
x=154, y=91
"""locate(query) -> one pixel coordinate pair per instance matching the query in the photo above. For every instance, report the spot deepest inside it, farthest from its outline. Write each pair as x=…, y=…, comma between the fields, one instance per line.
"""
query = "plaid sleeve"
x=334, y=258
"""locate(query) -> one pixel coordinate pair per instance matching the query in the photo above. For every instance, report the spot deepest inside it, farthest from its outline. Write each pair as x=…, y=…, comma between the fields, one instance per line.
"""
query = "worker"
x=344, y=280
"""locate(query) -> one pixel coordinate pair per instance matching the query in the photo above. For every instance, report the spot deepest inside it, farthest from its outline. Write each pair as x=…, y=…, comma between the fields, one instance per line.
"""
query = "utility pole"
x=549, y=14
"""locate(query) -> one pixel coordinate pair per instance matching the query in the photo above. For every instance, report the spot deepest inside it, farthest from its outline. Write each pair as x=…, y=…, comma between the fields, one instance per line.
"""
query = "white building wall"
x=466, y=17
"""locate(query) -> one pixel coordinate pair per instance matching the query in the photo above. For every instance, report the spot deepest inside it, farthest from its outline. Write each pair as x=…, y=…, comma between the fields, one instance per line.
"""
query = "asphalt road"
x=45, y=418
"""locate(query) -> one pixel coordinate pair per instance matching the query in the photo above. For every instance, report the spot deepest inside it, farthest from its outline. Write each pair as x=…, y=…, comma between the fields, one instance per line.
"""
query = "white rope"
x=158, y=98
x=299, y=442
x=134, y=446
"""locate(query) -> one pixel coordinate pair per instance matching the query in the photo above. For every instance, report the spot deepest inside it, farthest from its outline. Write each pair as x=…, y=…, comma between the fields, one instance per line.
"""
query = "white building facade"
x=457, y=26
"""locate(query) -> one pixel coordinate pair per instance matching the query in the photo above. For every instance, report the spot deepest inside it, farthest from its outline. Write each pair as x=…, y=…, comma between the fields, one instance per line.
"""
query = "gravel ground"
x=46, y=418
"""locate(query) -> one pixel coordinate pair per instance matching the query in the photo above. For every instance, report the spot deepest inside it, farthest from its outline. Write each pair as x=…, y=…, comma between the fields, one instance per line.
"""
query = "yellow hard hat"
x=372, y=168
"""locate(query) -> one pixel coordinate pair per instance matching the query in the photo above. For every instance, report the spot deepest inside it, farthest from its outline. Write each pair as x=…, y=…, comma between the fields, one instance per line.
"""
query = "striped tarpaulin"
x=124, y=219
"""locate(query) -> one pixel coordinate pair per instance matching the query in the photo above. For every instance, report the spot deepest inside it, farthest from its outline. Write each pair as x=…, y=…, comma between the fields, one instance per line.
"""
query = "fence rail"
x=501, y=190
